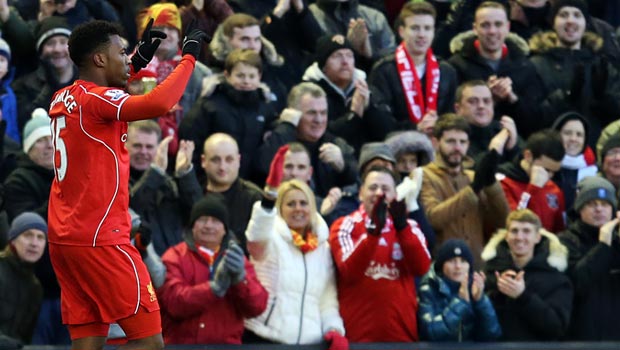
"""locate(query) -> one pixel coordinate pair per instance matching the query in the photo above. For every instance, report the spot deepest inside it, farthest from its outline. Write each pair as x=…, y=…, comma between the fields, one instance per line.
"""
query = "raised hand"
x=147, y=46
x=192, y=42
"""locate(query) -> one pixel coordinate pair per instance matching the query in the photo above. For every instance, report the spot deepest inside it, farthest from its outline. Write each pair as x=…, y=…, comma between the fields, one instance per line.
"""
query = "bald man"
x=221, y=161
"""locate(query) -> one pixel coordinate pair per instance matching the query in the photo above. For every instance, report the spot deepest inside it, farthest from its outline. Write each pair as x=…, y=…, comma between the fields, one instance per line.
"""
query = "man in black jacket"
x=594, y=259
x=305, y=121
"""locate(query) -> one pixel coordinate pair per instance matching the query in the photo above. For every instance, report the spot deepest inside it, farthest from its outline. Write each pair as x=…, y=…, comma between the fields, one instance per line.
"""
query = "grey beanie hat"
x=595, y=187
x=26, y=221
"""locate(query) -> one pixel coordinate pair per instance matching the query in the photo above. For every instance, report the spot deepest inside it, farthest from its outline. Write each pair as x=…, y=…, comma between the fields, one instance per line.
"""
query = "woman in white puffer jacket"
x=291, y=255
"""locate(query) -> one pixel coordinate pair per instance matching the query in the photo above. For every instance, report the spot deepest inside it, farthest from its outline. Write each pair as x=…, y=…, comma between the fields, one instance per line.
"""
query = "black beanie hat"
x=612, y=142
x=213, y=205
x=49, y=27
x=451, y=249
x=327, y=44
x=580, y=4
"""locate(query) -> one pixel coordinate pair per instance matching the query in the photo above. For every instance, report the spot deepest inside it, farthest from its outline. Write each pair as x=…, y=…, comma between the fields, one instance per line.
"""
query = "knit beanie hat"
x=49, y=27
x=211, y=205
x=5, y=50
x=164, y=14
x=328, y=44
x=451, y=249
x=26, y=221
x=595, y=187
x=580, y=4
x=372, y=150
x=612, y=142
x=37, y=127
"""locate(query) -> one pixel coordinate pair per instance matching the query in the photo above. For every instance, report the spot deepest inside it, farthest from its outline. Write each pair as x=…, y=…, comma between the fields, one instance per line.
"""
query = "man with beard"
x=55, y=71
x=462, y=203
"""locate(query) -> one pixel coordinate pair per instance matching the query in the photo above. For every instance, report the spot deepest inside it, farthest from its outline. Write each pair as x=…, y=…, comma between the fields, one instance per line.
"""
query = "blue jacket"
x=442, y=315
x=9, y=106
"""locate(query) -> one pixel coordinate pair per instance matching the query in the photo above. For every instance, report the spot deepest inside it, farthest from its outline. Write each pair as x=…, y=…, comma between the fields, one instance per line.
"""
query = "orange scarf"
x=305, y=245
x=207, y=254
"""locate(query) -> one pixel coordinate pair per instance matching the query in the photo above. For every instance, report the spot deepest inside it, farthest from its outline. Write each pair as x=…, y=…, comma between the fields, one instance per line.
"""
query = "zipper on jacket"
x=271, y=310
x=303, y=298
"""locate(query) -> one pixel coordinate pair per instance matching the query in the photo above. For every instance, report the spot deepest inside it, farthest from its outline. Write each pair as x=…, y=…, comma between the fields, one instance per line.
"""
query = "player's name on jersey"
x=67, y=99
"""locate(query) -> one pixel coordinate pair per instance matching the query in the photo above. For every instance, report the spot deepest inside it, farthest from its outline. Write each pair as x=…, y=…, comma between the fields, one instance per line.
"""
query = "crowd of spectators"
x=341, y=170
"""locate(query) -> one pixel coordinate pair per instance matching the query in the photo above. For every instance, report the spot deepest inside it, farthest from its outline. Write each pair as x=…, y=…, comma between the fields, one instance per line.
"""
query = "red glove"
x=337, y=341
x=276, y=167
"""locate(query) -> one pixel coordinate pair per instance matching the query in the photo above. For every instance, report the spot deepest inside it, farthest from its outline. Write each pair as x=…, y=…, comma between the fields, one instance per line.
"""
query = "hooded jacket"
x=191, y=312
x=547, y=201
x=598, y=87
x=593, y=269
x=303, y=303
x=542, y=311
x=470, y=65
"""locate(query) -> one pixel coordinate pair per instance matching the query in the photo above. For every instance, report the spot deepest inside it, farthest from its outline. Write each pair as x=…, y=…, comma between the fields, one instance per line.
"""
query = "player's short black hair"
x=89, y=37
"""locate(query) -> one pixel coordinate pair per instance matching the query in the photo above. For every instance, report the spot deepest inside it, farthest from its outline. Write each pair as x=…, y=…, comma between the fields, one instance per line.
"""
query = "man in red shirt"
x=378, y=252
x=101, y=275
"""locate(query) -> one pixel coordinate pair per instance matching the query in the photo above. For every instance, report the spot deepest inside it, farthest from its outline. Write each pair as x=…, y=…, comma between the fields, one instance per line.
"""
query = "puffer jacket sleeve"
x=487, y=324
x=440, y=319
x=250, y=297
x=330, y=316
x=260, y=231
x=181, y=298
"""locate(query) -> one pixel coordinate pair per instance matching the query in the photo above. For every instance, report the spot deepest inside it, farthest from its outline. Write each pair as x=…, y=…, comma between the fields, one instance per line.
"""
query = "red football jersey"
x=89, y=198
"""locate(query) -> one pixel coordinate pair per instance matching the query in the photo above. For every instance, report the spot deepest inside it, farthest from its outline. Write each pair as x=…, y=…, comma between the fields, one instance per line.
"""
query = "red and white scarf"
x=416, y=103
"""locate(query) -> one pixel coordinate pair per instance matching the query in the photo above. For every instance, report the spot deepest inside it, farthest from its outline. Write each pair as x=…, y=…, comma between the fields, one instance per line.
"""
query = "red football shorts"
x=102, y=285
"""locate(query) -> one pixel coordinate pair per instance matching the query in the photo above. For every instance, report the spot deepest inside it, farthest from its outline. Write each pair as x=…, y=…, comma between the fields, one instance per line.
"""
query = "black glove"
x=235, y=262
x=579, y=77
x=143, y=236
x=146, y=47
x=192, y=43
x=485, y=170
x=378, y=216
x=600, y=74
x=221, y=281
x=398, y=210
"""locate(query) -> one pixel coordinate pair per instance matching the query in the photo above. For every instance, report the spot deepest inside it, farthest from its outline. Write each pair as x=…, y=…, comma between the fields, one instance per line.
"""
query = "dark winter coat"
x=444, y=316
x=593, y=269
x=389, y=97
x=155, y=197
x=580, y=80
x=354, y=129
x=244, y=115
x=324, y=177
x=20, y=298
x=470, y=65
x=27, y=188
x=542, y=311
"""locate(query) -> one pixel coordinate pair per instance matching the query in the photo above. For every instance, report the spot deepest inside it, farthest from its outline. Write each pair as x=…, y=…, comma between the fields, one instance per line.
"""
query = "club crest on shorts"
x=151, y=290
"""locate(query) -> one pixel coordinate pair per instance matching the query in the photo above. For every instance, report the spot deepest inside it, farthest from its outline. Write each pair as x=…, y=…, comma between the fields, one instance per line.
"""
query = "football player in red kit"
x=101, y=275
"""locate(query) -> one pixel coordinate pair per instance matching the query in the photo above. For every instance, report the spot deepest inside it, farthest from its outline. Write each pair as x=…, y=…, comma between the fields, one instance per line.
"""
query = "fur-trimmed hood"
x=220, y=48
x=315, y=74
x=557, y=253
x=513, y=41
x=545, y=41
x=412, y=142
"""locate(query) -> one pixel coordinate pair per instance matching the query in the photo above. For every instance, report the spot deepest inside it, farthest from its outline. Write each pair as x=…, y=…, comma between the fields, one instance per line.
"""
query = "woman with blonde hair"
x=289, y=249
